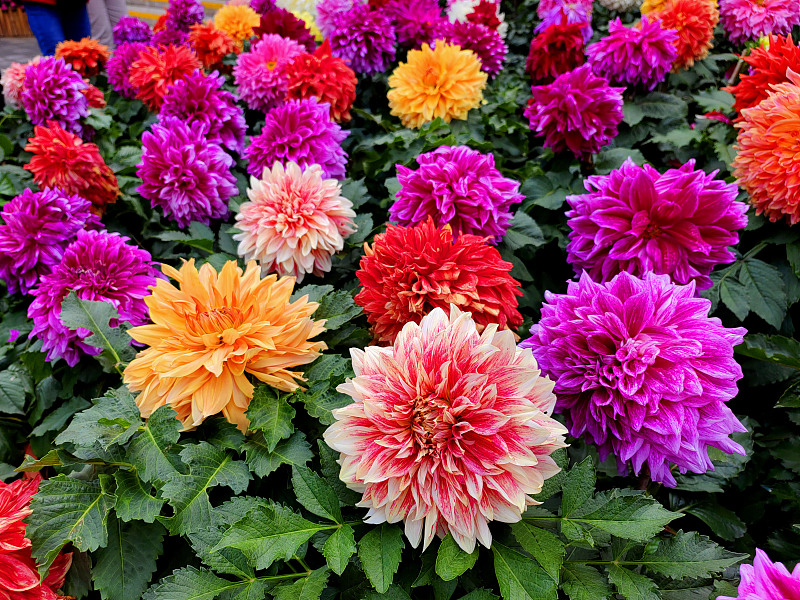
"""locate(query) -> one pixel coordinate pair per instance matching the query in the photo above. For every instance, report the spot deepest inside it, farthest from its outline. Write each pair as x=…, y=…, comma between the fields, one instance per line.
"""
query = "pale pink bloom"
x=13, y=81
x=450, y=429
x=294, y=222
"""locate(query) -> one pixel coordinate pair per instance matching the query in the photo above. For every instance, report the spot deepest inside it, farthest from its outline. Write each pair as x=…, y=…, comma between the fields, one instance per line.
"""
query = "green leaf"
x=723, y=522
x=689, y=555
x=578, y=486
x=270, y=413
x=188, y=239
x=633, y=114
x=520, y=578
x=294, y=451
x=395, y=592
x=726, y=467
x=584, y=582
x=134, y=501
x=188, y=494
x=734, y=296
x=625, y=513
x=452, y=561
x=379, y=551
x=524, y=231
x=307, y=588
x=679, y=137
x=95, y=316
x=765, y=290
x=320, y=399
x=479, y=594
x=632, y=585
x=337, y=308
x=56, y=419
x=771, y=348
x=715, y=99
x=268, y=533
x=151, y=452
x=124, y=567
x=545, y=547
x=51, y=459
x=190, y=584
x=114, y=419
x=67, y=510
x=339, y=547
x=662, y=106
x=315, y=494
x=612, y=158
x=14, y=383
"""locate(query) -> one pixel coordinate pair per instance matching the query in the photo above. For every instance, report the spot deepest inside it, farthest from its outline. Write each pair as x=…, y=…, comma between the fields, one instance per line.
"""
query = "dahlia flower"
x=409, y=271
x=486, y=43
x=482, y=12
x=746, y=20
x=170, y=37
x=86, y=56
x=211, y=45
x=620, y=5
x=766, y=162
x=286, y=25
x=547, y=6
x=97, y=266
x=568, y=13
x=237, y=21
x=579, y=111
x=294, y=222
x=13, y=81
x=297, y=5
x=444, y=81
x=61, y=160
x=158, y=68
x=52, y=92
x=641, y=371
x=653, y=6
x=93, y=95
x=300, y=131
x=449, y=429
x=416, y=23
x=184, y=174
x=636, y=220
x=456, y=186
x=365, y=39
x=694, y=20
x=36, y=228
x=557, y=49
x=119, y=66
x=766, y=580
x=260, y=74
x=262, y=6
x=635, y=56
x=308, y=20
x=325, y=78
x=329, y=11
x=210, y=332
x=182, y=14
x=199, y=98
x=131, y=29
x=19, y=574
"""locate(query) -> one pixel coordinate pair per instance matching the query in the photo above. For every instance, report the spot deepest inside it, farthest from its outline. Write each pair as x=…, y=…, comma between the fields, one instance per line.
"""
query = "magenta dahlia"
x=97, y=266
x=119, y=65
x=260, y=74
x=262, y=6
x=182, y=14
x=766, y=580
x=167, y=37
x=579, y=111
x=456, y=186
x=36, y=228
x=199, y=98
x=746, y=20
x=416, y=23
x=328, y=11
x=131, y=29
x=184, y=174
x=636, y=220
x=300, y=131
x=53, y=92
x=365, y=39
x=485, y=42
x=634, y=56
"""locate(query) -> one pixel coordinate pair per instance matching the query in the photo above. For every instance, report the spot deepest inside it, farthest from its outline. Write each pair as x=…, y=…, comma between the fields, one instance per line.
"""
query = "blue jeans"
x=54, y=24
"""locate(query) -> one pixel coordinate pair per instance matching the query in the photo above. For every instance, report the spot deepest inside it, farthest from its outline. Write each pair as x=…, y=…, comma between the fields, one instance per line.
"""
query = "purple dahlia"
x=260, y=74
x=97, y=266
x=328, y=11
x=566, y=13
x=262, y=6
x=745, y=20
x=485, y=42
x=641, y=371
x=119, y=66
x=131, y=29
x=766, y=580
x=416, y=23
x=182, y=14
x=365, y=39
x=169, y=36
x=184, y=174
x=52, y=92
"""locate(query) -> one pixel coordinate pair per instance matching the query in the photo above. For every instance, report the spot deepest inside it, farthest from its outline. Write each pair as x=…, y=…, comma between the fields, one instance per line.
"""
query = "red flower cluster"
x=158, y=68
x=324, y=77
x=409, y=271
x=556, y=50
x=87, y=57
x=19, y=576
x=62, y=160
x=485, y=13
x=94, y=96
x=211, y=45
x=285, y=24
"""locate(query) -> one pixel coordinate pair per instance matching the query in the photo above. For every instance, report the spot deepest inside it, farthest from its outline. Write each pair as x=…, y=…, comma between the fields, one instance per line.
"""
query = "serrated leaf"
x=452, y=561
x=689, y=555
x=765, y=290
x=124, y=567
x=625, y=513
x=723, y=522
x=185, y=238
x=337, y=308
x=134, y=502
x=14, y=382
x=395, y=592
x=270, y=413
x=188, y=494
x=152, y=452
x=662, y=106
x=307, y=588
x=379, y=551
x=320, y=399
x=189, y=584
x=771, y=348
x=733, y=295
x=632, y=585
x=51, y=459
x=545, y=547
x=578, y=486
x=520, y=578
x=294, y=451
x=57, y=418
x=114, y=419
x=315, y=494
x=339, y=547
x=726, y=467
x=67, y=510
x=584, y=582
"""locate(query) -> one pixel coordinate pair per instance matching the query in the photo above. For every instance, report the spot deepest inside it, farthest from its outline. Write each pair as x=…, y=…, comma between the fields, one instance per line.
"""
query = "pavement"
x=17, y=49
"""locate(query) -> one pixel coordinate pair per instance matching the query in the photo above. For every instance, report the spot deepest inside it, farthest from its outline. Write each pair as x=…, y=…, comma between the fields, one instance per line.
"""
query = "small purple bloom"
x=131, y=29
x=52, y=92
x=119, y=65
x=13, y=335
x=365, y=39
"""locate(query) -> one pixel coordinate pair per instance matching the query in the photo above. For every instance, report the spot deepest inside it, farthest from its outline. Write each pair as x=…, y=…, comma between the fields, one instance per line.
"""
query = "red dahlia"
x=211, y=44
x=285, y=24
x=158, y=68
x=326, y=78
x=556, y=50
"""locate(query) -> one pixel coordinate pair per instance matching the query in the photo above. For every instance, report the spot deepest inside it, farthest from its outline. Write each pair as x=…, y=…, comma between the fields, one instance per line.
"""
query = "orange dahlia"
x=445, y=82
x=87, y=57
x=211, y=44
x=158, y=68
x=651, y=6
x=694, y=20
x=161, y=23
x=767, y=163
x=62, y=160
x=212, y=331
x=238, y=21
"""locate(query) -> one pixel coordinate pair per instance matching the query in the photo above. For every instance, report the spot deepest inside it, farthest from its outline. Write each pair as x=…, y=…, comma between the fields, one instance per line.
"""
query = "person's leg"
x=101, y=25
x=75, y=20
x=45, y=23
x=116, y=10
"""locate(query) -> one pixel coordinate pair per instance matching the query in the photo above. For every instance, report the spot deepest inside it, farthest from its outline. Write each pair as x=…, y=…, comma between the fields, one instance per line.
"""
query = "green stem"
x=303, y=564
x=752, y=252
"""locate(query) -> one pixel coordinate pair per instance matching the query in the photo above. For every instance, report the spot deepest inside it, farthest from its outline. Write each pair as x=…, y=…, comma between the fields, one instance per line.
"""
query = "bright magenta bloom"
x=260, y=74
x=745, y=20
x=766, y=580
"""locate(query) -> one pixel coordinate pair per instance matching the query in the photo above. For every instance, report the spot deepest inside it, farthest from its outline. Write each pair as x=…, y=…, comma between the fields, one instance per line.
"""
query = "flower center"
x=625, y=369
x=652, y=231
x=218, y=325
x=272, y=64
x=431, y=77
x=431, y=423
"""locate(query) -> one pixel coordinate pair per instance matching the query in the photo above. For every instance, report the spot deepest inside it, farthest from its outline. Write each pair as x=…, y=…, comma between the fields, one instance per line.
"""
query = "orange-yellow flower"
x=238, y=21
x=216, y=333
x=442, y=82
x=87, y=56
x=649, y=6
x=767, y=163
x=694, y=20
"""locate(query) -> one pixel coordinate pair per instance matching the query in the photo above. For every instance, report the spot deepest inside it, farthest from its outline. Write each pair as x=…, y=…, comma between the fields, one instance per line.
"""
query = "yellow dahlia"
x=238, y=21
x=308, y=19
x=211, y=332
x=649, y=6
x=445, y=82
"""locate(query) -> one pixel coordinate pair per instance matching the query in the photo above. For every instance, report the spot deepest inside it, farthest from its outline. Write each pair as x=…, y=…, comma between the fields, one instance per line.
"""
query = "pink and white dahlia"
x=260, y=74
x=485, y=12
x=13, y=81
x=295, y=221
x=766, y=580
x=746, y=20
x=449, y=429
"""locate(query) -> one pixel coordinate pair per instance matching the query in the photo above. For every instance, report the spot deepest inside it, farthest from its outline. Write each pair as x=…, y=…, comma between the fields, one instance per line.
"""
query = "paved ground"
x=17, y=50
